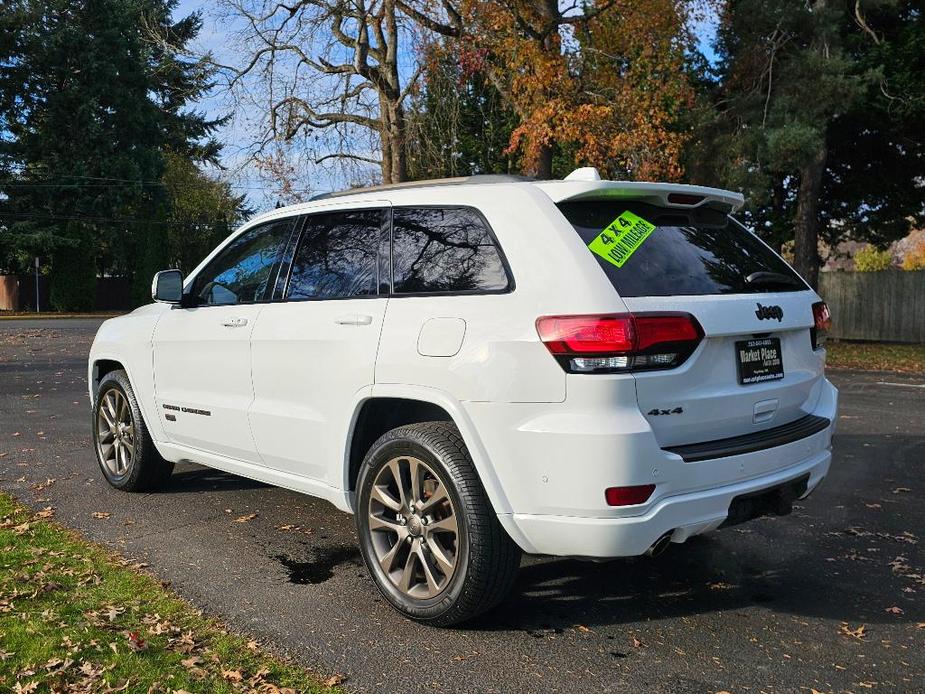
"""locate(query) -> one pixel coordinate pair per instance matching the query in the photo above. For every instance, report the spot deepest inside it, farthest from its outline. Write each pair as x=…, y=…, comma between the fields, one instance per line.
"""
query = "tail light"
x=615, y=343
x=822, y=321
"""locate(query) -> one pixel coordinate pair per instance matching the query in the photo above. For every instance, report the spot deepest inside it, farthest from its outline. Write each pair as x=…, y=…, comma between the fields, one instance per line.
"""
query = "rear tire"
x=434, y=548
x=124, y=449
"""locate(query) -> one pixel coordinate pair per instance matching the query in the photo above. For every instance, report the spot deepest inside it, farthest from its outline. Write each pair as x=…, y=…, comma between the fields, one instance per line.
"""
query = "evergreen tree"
x=459, y=124
x=91, y=95
x=818, y=118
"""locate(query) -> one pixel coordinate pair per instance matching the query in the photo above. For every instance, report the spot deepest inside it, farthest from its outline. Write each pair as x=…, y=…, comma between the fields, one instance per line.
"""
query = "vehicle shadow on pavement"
x=193, y=478
x=703, y=576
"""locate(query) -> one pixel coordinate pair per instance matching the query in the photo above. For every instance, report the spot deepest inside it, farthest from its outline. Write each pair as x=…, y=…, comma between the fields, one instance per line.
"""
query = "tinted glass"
x=689, y=253
x=241, y=272
x=444, y=250
x=336, y=258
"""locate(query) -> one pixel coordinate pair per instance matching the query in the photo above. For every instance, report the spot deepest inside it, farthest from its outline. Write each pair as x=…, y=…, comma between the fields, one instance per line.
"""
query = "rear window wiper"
x=766, y=279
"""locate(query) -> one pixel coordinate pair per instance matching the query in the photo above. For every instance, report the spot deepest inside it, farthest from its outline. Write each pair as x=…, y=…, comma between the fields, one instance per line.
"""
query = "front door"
x=202, y=360
x=315, y=350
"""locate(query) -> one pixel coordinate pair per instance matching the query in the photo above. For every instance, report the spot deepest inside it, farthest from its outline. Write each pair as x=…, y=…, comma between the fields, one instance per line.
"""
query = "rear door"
x=756, y=366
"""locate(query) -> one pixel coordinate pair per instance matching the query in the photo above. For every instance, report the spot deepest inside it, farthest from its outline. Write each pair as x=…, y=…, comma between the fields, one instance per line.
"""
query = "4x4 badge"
x=769, y=312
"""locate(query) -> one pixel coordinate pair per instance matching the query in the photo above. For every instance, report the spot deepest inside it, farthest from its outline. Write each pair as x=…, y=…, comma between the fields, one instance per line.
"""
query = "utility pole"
x=37, y=308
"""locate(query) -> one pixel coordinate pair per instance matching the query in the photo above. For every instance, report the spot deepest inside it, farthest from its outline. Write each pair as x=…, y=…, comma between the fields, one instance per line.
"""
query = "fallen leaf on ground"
x=900, y=490
x=135, y=642
x=334, y=680
x=859, y=633
x=245, y=519
x=101, y=514
x=232, y=675
x=46, y=512
x=720, y=585
x=895, y=610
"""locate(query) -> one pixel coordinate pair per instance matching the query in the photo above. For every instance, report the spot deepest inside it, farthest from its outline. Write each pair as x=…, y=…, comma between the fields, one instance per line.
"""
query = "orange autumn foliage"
x=614, y=96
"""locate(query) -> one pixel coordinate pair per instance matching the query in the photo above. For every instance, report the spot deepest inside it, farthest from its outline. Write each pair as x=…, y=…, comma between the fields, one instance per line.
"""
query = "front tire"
x=428, y=534
x=124, y=449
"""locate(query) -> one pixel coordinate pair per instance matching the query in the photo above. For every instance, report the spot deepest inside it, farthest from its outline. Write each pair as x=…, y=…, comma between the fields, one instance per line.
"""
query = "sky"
x=216, y=36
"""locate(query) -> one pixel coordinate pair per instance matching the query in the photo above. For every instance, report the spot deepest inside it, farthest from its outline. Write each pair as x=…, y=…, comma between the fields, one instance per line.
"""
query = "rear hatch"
x=756, y=367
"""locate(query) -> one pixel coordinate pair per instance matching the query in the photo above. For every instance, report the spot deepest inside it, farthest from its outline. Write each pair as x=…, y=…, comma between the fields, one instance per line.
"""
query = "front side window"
x=444, y=250
x=336, y=258
x=240, y=273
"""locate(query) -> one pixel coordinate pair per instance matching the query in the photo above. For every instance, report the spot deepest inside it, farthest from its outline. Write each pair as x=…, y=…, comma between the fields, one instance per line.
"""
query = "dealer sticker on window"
x=622, y=238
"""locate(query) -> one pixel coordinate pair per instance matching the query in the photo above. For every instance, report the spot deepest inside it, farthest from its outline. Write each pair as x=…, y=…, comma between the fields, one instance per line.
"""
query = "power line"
x=37, y=216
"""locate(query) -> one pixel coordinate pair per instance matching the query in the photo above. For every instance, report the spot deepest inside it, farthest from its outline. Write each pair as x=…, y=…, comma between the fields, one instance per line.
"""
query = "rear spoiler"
x=661, y=194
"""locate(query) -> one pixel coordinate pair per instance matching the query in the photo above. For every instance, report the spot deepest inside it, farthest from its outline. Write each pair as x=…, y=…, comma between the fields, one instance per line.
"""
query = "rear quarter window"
x=696, y=252
x=445, y=250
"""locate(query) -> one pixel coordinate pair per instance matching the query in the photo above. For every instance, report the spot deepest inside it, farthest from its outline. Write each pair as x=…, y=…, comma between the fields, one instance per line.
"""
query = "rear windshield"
x=695, y=252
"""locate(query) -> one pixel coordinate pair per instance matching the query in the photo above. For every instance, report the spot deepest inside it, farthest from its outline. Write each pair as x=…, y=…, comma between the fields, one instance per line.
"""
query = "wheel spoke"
x=111, y=406
x=387, y=560
x=439, y=554
x=379, y=523
x=407, y=573
x=395, y=467
x=432, y=585
x=445, y=525
x=437, y=497
x=383, y=497
x=124, y=415
x=417, y=480
x=107, y=418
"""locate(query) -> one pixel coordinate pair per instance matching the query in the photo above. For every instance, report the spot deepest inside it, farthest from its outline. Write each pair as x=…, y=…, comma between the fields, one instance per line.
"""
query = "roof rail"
x=478, y=178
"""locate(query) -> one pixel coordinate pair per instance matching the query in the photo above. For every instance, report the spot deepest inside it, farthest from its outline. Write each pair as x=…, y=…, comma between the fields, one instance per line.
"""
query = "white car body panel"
x=284, y=388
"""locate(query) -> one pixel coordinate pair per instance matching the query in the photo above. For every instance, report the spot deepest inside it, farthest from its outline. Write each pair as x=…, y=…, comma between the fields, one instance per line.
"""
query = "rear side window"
x=444, y=250
x=696, y=252
x=336, y=258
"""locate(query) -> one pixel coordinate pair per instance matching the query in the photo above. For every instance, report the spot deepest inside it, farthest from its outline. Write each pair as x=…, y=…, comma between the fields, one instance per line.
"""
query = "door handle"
x=354, y=319
x=234, y=322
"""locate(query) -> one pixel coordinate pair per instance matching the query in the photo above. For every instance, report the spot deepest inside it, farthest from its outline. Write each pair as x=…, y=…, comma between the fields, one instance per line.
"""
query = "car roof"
x=572, y=188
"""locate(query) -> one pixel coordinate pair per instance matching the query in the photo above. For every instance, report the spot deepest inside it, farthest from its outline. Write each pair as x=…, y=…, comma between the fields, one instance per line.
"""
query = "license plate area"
x=759, y=360
x=776, y=501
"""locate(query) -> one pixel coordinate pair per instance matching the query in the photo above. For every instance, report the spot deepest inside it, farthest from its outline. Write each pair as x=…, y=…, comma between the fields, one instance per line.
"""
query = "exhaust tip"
x=660, y=545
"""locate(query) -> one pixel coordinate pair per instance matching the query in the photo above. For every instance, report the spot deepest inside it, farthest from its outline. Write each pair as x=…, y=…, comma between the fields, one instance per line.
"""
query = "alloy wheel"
x=413, y=527
x=115, y=432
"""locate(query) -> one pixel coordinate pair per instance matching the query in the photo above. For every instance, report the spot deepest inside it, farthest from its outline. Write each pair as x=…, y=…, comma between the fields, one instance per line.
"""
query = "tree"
x=90, y=95
x=201, y=212
x=328, y=67
x=817, y=109
x=635, y=61
x=570, y=82
x=458, y=121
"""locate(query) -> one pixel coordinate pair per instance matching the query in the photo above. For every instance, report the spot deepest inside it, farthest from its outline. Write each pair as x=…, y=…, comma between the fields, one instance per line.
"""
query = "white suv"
x=480, y=367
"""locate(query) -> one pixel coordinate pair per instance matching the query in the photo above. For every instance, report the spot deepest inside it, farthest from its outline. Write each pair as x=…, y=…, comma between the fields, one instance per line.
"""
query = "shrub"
x=915, y=257
x=871, y=259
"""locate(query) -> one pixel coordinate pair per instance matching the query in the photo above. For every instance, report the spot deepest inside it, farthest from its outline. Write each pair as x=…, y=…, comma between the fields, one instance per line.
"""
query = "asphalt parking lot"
x=776, y=605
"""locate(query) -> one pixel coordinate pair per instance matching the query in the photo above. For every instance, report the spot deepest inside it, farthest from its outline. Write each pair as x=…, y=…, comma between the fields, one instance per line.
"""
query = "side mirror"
x=167, y=287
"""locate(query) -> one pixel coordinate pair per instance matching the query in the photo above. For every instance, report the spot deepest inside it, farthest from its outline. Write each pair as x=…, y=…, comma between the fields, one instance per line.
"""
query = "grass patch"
x=872, y=356
x=75, y=618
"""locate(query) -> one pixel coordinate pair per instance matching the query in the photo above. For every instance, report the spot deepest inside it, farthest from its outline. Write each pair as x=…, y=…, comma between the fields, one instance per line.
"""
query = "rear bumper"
x=555, y=462
x=683, y=516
